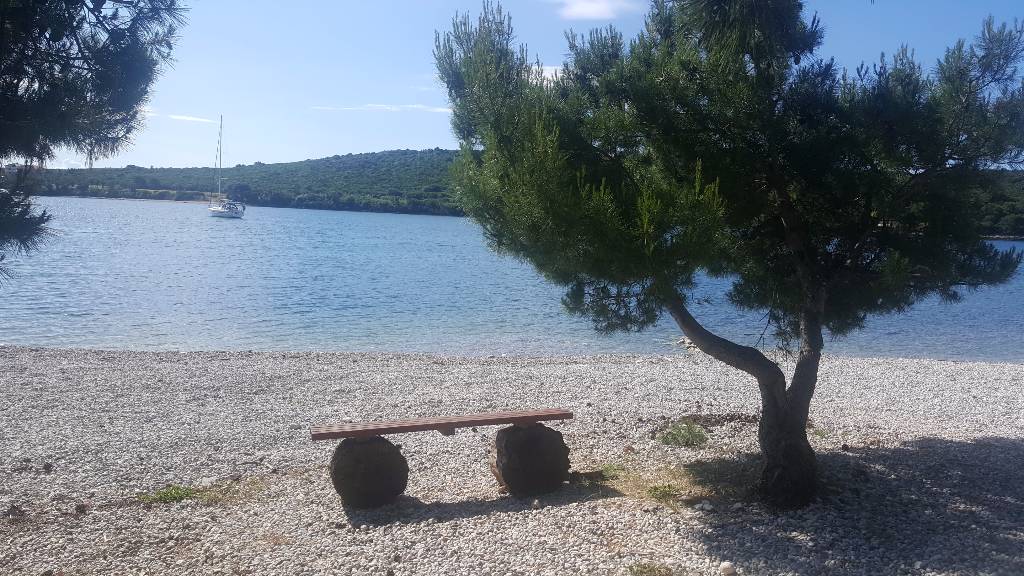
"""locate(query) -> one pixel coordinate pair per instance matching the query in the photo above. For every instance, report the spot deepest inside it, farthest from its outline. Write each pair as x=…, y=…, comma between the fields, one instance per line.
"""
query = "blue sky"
x=309, y=79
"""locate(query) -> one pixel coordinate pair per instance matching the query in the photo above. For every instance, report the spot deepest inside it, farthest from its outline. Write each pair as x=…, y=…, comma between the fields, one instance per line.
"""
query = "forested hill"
x=394, y=181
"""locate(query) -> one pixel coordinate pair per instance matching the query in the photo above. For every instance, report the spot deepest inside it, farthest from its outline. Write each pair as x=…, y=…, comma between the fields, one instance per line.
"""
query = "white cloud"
x=387, y=108
x=65, y=163
x=594, y=9
x=550, y=72
x=190, y=118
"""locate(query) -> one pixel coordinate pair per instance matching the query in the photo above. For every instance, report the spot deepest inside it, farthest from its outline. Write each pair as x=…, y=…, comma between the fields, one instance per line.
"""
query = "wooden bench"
x=367, y=470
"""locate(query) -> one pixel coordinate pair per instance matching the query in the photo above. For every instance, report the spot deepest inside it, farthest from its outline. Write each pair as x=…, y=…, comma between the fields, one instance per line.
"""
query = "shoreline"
x=681, y=353
x=406, y=212
x=1009, y=238
x=923, y=443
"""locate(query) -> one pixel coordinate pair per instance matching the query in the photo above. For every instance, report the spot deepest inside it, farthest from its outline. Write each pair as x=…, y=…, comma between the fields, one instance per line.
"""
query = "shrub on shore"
x=685, y=433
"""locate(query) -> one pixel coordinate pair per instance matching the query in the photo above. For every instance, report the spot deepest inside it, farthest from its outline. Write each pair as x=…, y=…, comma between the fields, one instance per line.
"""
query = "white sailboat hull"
x=220, y=212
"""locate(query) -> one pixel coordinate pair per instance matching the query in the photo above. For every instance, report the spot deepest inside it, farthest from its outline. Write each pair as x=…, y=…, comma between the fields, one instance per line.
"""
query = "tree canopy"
x=718, y=140
x=74, y=74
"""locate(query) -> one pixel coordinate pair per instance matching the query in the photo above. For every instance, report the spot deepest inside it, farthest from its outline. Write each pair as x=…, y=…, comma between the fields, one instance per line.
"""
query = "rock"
x=530, y=460
x=727, y=569
x=207, y=482
x=368, y=472
x=81, y=508
x=15, y=512
x=704, y=506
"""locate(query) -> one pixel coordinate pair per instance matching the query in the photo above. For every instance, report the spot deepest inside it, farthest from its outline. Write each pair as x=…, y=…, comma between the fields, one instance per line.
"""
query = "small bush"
x=612, y=471
x=664, y=493
x=685, y=432
x=169, y=495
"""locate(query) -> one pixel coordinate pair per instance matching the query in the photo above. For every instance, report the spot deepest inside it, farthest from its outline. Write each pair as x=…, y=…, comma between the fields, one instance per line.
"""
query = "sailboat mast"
x=220, y=152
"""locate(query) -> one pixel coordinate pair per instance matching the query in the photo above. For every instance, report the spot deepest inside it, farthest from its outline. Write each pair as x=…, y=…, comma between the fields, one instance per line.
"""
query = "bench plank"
x=443, y=423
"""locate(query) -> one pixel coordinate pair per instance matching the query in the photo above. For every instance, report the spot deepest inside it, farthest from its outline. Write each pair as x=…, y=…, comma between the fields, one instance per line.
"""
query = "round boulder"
x=368, y=472
x=530, y=460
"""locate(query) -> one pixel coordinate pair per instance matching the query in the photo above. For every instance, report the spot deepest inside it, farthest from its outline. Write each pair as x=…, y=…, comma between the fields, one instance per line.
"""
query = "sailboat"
x=220, y=206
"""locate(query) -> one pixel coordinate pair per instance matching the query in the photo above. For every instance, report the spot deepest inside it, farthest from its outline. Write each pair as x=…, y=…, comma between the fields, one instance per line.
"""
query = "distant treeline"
x=407, y=181
x=1002, y=206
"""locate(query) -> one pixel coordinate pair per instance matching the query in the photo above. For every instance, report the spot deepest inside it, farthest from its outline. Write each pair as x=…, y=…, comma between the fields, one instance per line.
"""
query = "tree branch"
x=770, y=378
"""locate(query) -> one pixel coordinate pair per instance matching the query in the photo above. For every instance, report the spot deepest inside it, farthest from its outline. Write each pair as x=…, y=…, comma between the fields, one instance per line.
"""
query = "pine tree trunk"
x=790, y=475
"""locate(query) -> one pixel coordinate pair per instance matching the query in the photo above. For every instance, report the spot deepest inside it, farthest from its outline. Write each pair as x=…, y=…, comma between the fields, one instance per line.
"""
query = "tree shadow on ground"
x=926, y=506
x=582, y=487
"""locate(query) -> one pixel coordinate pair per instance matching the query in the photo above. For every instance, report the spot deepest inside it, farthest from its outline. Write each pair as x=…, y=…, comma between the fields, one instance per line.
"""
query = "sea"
x=153, y=275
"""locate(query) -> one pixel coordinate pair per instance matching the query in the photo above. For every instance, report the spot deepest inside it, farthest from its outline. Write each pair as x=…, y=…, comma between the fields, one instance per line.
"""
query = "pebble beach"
x=922, y=467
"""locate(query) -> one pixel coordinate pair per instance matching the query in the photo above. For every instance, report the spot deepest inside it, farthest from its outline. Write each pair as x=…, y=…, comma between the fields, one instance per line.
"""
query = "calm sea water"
x=162, y=275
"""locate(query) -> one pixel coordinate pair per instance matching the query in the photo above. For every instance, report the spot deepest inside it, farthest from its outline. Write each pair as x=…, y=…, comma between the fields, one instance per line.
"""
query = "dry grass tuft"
x=650, y=569
x=229, y=493
x=726, y=478
x=233, y=492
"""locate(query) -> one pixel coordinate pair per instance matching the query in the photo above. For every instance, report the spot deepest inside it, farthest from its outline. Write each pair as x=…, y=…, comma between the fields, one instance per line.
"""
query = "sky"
x=315, y=78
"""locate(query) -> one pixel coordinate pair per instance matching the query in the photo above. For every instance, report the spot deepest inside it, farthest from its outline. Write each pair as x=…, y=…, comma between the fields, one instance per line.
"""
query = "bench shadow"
x=930, y=505
x=582, y=487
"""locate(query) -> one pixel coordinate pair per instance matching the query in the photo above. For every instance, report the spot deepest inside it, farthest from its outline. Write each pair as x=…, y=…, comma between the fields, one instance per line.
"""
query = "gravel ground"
x=923, y=463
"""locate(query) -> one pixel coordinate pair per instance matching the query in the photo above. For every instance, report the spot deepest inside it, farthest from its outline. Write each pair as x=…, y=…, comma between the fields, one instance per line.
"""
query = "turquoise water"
x=161, y=275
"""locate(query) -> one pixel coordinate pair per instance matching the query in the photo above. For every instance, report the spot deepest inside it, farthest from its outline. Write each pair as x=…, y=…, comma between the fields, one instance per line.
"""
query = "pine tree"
x=718, y=141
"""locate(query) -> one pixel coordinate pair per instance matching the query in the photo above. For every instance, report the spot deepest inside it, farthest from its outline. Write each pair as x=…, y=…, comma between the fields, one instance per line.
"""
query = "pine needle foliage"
x=74, y=74
x=719, y=140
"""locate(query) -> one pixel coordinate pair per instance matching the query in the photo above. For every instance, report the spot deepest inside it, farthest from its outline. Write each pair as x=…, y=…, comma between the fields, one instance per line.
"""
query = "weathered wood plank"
x=443, y=423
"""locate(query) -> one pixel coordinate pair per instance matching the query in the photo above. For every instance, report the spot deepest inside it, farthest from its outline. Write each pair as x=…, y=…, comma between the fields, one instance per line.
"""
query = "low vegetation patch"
x=228, y=493
x=720, y=479
x=713, y=420
x=821, y=433
x=612, y=471
x=650, y=569
x=233, y=492
x=169, y=495
x=664, y=493
x=685, y=433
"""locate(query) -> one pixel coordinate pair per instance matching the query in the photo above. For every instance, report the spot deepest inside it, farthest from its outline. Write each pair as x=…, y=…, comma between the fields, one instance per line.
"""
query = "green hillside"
x=410, y=181
x=394, y=181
